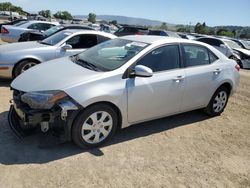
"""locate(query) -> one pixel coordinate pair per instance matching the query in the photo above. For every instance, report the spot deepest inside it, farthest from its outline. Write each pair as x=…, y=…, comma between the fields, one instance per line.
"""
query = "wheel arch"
x=24, y=59
x=227, y=85
x=118, y=111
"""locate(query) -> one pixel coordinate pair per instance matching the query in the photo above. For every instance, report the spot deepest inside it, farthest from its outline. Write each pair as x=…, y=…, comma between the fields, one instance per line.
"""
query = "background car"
x=122, y=82
x=225, y=46
x=243, y=43
x=186, y=36
x=12, y=33
x=38, y=35
x=131, y=30
x=12, y=23
x=163, y=33
x=18, y=57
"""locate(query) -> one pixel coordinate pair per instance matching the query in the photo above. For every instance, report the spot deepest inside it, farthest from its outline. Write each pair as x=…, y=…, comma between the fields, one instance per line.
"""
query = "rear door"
x=202, y=73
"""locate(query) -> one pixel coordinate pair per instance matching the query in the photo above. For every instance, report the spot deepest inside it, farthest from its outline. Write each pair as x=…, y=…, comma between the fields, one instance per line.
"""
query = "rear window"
x=20, y=23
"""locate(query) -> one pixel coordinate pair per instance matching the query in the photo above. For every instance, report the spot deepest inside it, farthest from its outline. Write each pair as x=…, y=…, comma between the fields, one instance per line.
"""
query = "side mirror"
x=142, y=71
x=223, y=46
x=66, y=47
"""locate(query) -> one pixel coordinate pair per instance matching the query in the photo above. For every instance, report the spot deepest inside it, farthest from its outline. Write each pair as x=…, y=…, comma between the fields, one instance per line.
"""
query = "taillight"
x=139, y=33
x=237, y=67
x=4, y=30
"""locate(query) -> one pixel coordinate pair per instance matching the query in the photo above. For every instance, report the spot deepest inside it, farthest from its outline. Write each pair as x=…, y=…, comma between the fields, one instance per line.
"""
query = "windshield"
x=56, y=38
x=246, y=44
x=52, y=30
x=112, y=54
x=232, y=44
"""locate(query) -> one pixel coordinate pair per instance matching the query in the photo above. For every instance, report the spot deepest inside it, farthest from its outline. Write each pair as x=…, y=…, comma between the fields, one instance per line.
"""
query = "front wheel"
x=94, y=126
x=23, y=66
x=218, y=102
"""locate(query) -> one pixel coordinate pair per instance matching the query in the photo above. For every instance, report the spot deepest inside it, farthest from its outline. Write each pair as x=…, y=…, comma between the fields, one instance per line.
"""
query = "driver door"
x=79, y=44
x=161, y=94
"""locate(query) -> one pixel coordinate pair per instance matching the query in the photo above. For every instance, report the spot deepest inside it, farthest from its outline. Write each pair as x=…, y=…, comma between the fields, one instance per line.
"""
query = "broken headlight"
x=42, y=100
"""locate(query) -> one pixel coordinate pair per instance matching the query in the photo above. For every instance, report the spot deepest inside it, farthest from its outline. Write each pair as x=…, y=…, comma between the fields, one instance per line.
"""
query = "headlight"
x=42, y=100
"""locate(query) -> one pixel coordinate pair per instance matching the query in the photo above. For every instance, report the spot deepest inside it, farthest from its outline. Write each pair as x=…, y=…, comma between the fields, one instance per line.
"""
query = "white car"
x=121, y=82
x=15, y=58
x=11, y=33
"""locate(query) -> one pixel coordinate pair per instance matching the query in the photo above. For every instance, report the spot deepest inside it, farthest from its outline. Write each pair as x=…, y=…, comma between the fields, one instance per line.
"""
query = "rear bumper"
x=6, y=71
x=9, y=39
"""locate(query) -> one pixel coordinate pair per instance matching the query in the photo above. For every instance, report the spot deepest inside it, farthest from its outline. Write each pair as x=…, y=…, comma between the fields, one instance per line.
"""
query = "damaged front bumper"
x=23, y=119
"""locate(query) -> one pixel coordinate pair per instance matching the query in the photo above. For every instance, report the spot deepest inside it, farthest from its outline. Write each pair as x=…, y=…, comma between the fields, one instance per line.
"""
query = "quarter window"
x=161, y=59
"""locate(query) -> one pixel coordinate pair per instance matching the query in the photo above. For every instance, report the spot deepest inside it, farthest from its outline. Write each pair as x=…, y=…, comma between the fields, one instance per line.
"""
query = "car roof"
x=150, y=39
x=83, y=31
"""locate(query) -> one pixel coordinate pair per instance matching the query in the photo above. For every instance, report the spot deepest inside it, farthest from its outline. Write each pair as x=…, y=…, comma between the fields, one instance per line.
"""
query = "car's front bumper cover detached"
x=23, y=120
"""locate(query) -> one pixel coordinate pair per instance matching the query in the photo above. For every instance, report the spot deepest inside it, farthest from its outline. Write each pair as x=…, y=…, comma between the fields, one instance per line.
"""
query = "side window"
x=161, y=59
x=195, y=55
x=47, y=26
x=212, y=57
x=82, y=41
x=102, y=39
x=36, y=26
x=215, y=42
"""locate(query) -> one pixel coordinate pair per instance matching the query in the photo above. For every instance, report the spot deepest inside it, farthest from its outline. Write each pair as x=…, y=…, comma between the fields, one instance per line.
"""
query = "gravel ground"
x=187, y=150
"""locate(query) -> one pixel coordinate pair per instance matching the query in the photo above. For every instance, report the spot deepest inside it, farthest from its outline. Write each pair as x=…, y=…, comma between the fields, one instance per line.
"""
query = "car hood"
x=6, y=48
x=244, y=51
x=59, y=74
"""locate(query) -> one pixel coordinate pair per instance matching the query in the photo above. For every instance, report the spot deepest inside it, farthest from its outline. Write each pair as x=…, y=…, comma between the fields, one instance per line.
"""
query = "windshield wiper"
x=86, y=64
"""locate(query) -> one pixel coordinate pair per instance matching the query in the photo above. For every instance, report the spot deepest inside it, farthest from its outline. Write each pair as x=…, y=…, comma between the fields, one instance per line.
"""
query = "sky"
x=213, y=12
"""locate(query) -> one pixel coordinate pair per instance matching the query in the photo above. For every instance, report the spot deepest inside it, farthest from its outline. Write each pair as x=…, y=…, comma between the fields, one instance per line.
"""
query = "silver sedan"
x=122, y=82
x=18, y=57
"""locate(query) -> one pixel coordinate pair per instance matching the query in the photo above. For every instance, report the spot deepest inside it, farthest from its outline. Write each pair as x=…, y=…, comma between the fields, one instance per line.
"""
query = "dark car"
x=131, y=30
x=12, y=22
x=37, y=36
x=163, y=33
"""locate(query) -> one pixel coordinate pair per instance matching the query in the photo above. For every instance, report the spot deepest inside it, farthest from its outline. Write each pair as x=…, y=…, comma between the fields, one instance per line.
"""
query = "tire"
x=23, y=66
x=95, y=126
x=218, y=102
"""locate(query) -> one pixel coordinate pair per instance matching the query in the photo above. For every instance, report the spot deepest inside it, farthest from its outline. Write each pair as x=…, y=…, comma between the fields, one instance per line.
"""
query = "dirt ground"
x=187, y=150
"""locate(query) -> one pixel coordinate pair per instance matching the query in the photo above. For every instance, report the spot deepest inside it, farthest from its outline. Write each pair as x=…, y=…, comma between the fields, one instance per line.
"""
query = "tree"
x=164, y=26
x=184, y=29
x=64, y=15
x=7, y=6
x=114, y=22
x=45, y=13
x=201, y=28
x=92, y=17
x=225, y=32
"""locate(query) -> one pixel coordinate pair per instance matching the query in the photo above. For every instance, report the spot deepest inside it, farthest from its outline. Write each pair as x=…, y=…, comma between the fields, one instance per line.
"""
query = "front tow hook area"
x=14, y=123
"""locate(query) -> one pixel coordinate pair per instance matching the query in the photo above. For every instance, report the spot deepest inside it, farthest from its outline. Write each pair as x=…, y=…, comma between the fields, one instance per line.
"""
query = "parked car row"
x=16, y=58
x=12, y=33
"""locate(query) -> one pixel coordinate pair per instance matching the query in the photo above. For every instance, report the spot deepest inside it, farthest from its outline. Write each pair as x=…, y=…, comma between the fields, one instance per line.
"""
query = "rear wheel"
x=23, y=66
x=95, y=126
x=218, y=102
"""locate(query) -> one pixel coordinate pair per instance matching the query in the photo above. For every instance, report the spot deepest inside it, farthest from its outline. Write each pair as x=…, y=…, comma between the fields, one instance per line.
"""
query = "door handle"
x=178, y=79
x=217, y=71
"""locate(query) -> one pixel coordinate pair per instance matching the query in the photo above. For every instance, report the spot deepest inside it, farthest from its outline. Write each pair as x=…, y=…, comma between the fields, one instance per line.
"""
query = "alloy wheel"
x=97, y=127
x=220, y=101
